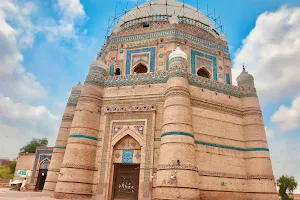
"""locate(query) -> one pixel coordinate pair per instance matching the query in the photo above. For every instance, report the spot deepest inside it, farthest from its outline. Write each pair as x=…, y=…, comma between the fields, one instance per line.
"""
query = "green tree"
x=12, y=166
x=286, y=184
x=5, y=172
x=31, y=146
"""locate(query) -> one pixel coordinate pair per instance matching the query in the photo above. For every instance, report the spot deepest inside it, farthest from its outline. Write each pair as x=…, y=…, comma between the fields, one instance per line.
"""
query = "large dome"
x=165, y=7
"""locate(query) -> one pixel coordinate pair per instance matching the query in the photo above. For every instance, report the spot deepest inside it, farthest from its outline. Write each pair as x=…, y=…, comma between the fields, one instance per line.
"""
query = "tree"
x=12, y=166
x=286, y=183
x=31, y=146
x=5, y=172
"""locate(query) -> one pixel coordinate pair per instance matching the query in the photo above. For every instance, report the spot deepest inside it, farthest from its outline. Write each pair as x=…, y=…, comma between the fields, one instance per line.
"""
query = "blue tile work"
x=36, y=161
x=136, y=79
x=46, y=164
x=83, y=136
x=172, y=32
x=59, y=147
x=228, y=78
x=111, y=70
x=230, y=147
x=152, y=58
x=212, y=58
x=177, y=133
x=222, y=146
x=127, y=156
x=42, y=157
x=167, y=65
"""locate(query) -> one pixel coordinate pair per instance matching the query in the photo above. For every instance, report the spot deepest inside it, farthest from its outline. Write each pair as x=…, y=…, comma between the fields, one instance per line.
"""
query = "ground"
x=6, y=194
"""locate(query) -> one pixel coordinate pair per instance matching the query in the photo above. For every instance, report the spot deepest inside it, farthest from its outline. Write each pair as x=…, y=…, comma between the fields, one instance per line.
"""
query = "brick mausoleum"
x=159, y=118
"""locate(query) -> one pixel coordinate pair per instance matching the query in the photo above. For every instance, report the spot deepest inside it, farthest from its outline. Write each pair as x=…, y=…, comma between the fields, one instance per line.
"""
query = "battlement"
x=162, y=77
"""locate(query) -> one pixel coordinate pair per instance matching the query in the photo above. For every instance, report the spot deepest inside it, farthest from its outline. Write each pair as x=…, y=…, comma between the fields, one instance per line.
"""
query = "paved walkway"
x=6, y=194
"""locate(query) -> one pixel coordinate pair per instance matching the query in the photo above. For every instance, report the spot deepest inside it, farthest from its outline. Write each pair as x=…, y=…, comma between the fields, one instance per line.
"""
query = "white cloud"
x=72, y=13
x=269, y=132
x=288, y=118
x=15, y=81
x=19, y=22
x=271, y=54
x=19, y=123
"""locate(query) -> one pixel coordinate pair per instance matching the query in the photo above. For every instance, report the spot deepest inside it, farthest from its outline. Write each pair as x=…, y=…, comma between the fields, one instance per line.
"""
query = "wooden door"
x=41, y=179
x=126, y=182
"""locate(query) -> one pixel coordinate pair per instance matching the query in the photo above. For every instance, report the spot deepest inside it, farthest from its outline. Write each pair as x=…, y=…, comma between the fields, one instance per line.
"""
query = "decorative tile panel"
x=171, y=32
x=136, y=79
x=43, y=157
x=131, y=52
x=111, y=70
x=212, y=58
x=228, y=79
x=127, y=156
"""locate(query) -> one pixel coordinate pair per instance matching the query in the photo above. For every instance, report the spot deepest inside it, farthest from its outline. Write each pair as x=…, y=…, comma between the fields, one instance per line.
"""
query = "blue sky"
x=46, y=47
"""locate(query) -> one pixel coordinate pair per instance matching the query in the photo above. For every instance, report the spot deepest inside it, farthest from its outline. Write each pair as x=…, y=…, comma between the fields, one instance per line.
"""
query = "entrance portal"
x=126, y=182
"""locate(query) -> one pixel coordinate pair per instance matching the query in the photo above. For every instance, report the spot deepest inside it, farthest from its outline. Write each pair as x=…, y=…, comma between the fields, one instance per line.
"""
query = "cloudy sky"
x=46, y=48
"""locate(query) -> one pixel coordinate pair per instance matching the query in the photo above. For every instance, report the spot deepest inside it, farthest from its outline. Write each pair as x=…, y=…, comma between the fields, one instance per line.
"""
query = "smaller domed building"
x=159, y=118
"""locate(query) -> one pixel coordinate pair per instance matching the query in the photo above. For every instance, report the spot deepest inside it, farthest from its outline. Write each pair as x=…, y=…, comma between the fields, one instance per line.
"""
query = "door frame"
x=116, y=165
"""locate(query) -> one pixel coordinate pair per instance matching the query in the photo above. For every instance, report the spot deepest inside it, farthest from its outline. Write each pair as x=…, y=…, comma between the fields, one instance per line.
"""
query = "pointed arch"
x=126, y=132
x=44, y=164
x=204, y=73
x=140, y=68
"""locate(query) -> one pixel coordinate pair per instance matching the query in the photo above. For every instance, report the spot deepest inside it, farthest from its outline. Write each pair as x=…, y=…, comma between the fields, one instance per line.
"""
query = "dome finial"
x=178, y=53
x=244, y=67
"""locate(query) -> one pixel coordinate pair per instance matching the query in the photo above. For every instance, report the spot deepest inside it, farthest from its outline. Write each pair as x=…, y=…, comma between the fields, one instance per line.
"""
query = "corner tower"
x=61, y=140
x=78, y=167
x=176, y=172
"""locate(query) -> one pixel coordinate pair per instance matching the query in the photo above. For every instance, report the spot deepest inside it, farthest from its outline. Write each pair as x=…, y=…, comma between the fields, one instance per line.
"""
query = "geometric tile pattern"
x=212, y=58
x=171, y=32
x=129, y=53
x=127, y=156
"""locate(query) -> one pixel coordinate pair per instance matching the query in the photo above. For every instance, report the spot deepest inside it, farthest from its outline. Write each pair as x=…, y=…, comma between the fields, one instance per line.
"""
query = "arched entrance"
x=140, y=68
x=43, y=170
x=203, y=72
x=126, y=161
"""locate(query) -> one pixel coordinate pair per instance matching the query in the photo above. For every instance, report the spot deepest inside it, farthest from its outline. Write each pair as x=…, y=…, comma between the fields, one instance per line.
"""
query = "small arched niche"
x=204, y=73
x=140, y=69
x=118, y=72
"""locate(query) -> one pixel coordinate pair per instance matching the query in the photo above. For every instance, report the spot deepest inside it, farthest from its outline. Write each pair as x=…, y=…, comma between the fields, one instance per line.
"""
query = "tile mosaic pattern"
x=216, y=86
x=83, y=136
x=59, y=147
x=111, y=70
x=43, y=157
x=194, y=54
x=129, y=54
x=73, y=99
x=137, y=155
x=171, y=32
x=127, y=156
x=140, y=129
x=167, y=64
x=136, y=79
x=228, y=79
x=131, y=108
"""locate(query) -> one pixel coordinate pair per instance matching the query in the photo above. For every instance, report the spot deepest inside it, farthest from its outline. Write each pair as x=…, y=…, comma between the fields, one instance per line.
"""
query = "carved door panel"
x=126, y=183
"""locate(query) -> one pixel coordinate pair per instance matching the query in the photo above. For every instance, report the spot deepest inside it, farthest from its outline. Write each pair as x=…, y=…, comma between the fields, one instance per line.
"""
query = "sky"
x=46, y=47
